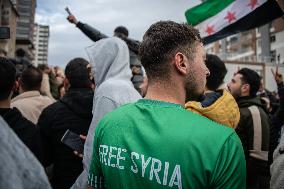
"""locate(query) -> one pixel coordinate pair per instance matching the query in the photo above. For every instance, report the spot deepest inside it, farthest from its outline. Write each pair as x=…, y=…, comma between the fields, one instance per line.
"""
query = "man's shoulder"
x=53, y=108
x=118, y=90
x=182, y=117
x=120, y=111
x=17, y=121
x=117, y=84
x=46, y=99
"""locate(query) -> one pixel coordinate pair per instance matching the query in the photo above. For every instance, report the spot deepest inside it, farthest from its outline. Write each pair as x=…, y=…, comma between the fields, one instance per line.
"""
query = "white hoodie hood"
x=110, y=60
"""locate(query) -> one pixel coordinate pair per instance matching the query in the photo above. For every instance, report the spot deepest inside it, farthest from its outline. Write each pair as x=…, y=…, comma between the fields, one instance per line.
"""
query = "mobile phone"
x=68, y=10
x=73, y=141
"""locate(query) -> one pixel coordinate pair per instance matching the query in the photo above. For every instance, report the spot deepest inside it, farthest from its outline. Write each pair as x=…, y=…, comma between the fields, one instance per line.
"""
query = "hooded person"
x=110, y=60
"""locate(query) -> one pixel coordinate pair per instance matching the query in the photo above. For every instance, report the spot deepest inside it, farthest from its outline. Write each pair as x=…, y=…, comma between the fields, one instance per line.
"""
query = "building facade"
x=8, y=18
x=25, y=26
x=41, y=37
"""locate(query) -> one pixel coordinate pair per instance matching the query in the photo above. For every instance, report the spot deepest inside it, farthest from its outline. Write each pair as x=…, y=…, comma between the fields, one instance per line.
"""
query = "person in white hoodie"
x=110, y=61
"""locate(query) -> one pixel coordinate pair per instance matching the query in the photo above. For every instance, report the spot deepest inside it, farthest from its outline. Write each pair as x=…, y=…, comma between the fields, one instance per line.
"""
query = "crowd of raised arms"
x=150, y=114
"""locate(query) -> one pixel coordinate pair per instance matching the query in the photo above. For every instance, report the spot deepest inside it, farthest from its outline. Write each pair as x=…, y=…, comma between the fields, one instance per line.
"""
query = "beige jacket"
x=31, y=104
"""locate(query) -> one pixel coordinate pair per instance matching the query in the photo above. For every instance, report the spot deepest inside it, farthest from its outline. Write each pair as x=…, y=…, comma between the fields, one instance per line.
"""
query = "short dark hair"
x=7, y=77
x=31, y=79
x=121, y=29
x=77, y=73
x=217, y=70
x=20, y=52
x=252, y=78
x=161, y=41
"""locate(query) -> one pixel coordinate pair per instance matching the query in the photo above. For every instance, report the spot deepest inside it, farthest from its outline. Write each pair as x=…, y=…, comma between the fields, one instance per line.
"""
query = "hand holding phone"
x=71, y=18
x=73, y=141
x=68, y=11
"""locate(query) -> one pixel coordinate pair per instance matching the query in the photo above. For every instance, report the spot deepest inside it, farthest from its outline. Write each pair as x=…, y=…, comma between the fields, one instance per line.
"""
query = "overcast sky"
x=67, y=42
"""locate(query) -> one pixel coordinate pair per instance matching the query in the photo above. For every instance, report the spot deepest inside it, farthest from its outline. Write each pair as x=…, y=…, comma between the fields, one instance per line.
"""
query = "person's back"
x=30, y=102
x=74, y=112
x=24, y=128
x=155, y=142
x=158, y=144
x=19, y=168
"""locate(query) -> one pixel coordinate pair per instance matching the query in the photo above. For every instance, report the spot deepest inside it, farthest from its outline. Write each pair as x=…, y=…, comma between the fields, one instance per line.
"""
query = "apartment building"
x=41, y=37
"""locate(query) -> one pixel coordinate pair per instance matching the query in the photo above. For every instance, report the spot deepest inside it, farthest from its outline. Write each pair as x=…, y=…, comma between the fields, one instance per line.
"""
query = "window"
x=273, y=55
x=272, y=38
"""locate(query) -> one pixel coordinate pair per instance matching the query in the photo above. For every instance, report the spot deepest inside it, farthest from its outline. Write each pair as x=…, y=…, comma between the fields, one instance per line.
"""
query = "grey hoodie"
x=277, y=167
x=19, y=169
x=110, y=61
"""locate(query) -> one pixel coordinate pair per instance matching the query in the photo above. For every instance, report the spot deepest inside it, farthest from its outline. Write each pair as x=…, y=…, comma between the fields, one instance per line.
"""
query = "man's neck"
x=166, y=93
x=5, y=103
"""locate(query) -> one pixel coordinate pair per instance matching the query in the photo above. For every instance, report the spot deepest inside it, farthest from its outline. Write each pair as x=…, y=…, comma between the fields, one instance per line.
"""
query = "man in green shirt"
x=155, y=142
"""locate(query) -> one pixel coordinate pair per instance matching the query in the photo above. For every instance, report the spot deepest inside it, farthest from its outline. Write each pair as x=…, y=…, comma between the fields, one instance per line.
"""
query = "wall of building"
x=41, y=37
x=8, y=17
x=25, y=26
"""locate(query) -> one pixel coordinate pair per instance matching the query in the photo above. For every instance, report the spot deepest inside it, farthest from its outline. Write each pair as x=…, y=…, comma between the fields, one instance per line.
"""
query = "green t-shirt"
x=154, y=144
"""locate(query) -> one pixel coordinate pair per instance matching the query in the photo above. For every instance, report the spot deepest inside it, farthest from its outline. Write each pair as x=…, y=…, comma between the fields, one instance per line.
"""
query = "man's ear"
x=16, y=85
x=180, y=63
x=66, y=83
x=245, y=89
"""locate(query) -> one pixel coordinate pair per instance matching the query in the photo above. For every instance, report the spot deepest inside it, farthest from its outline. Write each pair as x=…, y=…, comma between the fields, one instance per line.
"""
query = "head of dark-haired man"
x=217, y=70
x=173, y=57
x=245, y=82
x=7, y=80
x=30, y=80
x=77, y=74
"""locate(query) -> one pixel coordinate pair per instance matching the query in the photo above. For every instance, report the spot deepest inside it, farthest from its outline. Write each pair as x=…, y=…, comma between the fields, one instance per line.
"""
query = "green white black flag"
x=217, y=19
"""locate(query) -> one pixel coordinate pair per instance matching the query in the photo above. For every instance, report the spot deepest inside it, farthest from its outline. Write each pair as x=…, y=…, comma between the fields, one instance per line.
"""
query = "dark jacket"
x=245, y=126
x=25, y=130
x=245, y=131
x=277, y=123
x=132, y=44
x=73, y=112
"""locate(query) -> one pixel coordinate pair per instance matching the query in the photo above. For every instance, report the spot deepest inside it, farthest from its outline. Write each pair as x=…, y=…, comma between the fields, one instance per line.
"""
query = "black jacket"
x=255, y=167
x=245, y=126
x=73, y=112
x=25, y=130
x=277, y=122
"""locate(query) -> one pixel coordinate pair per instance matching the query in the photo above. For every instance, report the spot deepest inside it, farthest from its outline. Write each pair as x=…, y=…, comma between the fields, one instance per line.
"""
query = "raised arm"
x=89, y=31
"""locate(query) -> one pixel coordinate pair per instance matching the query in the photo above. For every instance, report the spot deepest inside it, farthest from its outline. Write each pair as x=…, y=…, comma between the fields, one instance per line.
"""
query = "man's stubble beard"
x=191, y=89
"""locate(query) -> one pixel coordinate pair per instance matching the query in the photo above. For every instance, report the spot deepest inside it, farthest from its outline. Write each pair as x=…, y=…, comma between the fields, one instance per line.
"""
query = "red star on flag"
x=231, y=16
x=252, y=3
x=210, y=30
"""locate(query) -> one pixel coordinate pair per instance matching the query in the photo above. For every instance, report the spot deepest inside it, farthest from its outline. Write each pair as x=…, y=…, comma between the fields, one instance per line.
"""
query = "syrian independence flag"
x=217, y=19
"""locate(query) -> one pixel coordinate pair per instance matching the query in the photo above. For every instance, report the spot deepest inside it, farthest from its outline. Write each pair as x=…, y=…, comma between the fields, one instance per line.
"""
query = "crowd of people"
x=151, y=114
